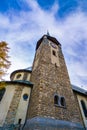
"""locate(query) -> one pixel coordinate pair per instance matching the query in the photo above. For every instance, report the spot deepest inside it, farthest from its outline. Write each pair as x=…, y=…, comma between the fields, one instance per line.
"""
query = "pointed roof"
x=53, y=39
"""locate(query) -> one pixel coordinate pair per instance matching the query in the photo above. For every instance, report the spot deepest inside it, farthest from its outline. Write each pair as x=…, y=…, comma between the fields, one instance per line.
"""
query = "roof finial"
x=48, y=33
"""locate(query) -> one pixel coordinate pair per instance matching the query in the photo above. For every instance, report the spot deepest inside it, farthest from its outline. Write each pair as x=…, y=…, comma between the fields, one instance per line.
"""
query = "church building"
x=42, y=97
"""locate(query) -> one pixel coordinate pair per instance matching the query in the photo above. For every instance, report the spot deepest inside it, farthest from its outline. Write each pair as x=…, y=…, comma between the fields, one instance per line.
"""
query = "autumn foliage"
x=4, y=62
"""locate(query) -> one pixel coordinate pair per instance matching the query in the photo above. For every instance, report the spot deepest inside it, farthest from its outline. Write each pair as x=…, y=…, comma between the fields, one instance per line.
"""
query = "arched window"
x=59, y=101
x=56, y=98
x=2, y=91
x=84, y=108
x=62, y=101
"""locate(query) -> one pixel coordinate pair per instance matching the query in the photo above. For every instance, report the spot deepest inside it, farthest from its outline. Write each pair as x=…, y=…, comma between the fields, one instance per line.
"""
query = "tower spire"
x=48, y=33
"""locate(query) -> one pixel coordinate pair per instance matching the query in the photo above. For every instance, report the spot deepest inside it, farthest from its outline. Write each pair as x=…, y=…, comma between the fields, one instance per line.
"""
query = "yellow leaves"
x=4, y=62
x=2, y=85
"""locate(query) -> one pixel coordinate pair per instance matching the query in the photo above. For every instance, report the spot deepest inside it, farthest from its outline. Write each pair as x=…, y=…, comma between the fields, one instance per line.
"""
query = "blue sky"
x=23, y=22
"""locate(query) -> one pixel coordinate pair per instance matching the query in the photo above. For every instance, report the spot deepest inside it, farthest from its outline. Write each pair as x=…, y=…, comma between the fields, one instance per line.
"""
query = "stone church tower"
x=52, y=104
x=41, y=98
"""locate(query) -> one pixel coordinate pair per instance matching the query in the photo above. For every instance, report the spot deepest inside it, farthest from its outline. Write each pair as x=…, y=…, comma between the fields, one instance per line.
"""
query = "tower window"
x=19, y=121
x=84, y=108
x=56, y=100
x=62, y=101
x=59, y=101
x=54, y=53
x=55, y=64
x=2, y=91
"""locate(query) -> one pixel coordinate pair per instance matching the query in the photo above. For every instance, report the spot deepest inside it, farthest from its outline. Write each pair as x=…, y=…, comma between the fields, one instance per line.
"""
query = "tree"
x=4, y=62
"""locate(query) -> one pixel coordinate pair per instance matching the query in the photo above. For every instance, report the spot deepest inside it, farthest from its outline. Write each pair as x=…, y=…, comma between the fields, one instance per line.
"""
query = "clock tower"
x=52, y=103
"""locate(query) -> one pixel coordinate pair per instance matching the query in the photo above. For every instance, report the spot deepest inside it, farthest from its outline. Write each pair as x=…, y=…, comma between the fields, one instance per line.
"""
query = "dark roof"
x=21, y=70
x=79, y=90
x=48, y=37
x=28, y=83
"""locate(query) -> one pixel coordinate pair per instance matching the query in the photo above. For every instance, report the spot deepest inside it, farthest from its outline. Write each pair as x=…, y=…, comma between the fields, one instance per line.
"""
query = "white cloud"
x=75, y=45
x=25, y=28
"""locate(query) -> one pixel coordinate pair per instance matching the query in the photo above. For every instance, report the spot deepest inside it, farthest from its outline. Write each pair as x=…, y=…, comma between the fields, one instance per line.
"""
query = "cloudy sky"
x=23, y=22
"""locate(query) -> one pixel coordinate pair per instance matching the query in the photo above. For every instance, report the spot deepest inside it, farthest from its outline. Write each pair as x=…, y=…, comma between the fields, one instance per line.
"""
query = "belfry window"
x=56, y=100
x=54, y=53
x=2, y=91
x=84, y=108
x=62, y=101
x=59, y=101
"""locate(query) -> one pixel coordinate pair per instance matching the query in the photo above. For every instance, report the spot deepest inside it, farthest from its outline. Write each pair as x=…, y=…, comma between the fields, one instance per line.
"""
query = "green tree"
x=4, y=62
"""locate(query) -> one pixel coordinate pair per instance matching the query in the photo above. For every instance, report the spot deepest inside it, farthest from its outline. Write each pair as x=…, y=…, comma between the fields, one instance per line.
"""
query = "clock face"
x=53, y=45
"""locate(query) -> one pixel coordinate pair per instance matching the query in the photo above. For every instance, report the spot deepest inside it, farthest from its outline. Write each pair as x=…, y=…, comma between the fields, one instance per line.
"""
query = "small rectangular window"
x=19, y=121
x=54, y=53
x=56, y=99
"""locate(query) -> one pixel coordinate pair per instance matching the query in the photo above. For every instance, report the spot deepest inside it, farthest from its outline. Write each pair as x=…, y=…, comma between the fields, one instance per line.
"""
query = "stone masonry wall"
x=49, y=79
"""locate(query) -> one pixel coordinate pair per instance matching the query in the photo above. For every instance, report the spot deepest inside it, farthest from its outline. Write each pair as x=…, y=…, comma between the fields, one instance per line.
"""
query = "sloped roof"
x=28, y=83
x=79, y=90
x=53, y=39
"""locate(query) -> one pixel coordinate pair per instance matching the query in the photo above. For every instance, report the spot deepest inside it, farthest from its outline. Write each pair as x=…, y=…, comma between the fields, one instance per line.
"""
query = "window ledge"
x=60, y=106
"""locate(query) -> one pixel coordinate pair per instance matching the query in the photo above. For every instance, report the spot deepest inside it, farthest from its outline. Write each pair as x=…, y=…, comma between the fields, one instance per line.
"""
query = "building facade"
x=43, y=98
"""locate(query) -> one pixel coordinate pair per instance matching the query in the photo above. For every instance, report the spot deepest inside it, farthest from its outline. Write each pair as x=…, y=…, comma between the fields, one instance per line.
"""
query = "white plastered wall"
x=21, y=77
x=79, y=97
x=28, y=77
x=23, y=106
x=5, y=103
